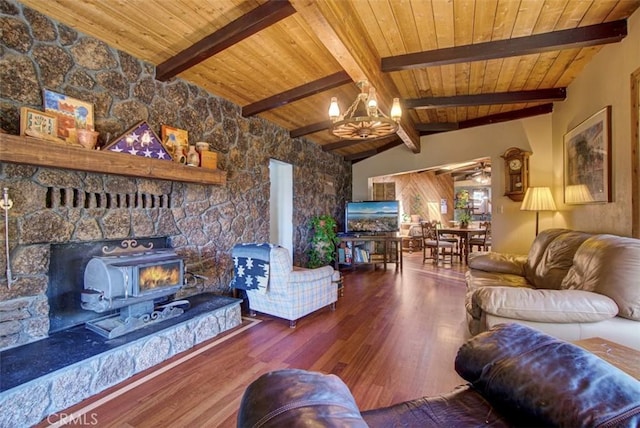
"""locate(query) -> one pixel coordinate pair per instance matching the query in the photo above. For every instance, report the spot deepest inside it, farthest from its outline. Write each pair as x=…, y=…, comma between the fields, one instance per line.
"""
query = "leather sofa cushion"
x=294, y=398
x=538, y=247
x=609, y=265
x=498, y=262
x=477, y=279
x=556, y=260
x=525, y=373
x=561, y=306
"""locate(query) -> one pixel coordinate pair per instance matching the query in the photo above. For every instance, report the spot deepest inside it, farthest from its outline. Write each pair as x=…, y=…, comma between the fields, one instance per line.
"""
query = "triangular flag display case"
x=140, y=140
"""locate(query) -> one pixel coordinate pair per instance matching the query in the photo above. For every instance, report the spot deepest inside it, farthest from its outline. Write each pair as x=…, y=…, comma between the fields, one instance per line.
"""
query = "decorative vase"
x=202, y=146
x=193, y=158
x=87, y=138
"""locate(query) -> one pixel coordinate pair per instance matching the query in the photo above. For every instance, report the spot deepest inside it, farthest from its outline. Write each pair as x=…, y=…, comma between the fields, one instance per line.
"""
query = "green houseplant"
x=462, y=208
x=323, y=241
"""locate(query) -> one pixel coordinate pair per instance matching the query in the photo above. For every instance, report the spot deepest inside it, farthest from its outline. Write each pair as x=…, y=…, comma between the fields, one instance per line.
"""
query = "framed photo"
x=38, y=123
x=139, y=140
x=176, y=142
x=587, y=160
x=71, y=113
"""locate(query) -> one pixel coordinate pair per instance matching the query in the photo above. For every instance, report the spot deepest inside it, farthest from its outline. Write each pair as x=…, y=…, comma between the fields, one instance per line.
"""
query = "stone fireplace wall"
x=203, y=222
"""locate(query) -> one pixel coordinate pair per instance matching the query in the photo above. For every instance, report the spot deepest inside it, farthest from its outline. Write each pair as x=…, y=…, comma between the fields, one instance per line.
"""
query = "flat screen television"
x=372, y=216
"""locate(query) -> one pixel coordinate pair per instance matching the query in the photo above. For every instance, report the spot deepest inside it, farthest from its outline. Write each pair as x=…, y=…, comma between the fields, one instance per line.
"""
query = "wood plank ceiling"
x=453, y=63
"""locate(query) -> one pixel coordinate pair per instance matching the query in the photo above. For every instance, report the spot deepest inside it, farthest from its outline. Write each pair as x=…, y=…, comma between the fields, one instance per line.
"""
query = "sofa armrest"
x=561, y=306
x=298, y=398
x=540, y=380
x=498, y=262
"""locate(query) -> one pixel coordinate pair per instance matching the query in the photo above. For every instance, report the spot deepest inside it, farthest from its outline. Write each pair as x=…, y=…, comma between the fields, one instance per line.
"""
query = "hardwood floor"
x=393, y=337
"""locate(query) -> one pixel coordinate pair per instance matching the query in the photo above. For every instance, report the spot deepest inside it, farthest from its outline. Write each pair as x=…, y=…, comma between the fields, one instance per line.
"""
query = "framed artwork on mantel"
x=38, y=124
x=587, y=160
x=70, y=113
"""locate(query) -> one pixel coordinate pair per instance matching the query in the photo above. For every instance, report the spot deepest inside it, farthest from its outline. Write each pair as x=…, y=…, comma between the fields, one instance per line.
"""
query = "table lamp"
x=538, y=199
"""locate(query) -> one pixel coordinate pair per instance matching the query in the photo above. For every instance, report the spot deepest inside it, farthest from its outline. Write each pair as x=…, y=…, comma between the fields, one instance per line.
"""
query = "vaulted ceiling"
x=453, y=63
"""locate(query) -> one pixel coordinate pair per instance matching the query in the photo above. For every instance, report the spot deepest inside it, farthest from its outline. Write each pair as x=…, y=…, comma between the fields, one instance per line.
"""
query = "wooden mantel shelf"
x=33, y=151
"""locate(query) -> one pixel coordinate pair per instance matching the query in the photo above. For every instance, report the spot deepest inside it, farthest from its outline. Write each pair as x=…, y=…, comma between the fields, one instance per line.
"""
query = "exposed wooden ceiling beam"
x=461, y=169
x=437, y=127
x=310, y=129
x=346, y=143
x=592, y=35
x=368, y=153
x=507, y=116
x=361, y=155
x=432, y=128
x=355, y=53
x=258, y=19
x=306, y=90
x=339, y=145
x=539, y=95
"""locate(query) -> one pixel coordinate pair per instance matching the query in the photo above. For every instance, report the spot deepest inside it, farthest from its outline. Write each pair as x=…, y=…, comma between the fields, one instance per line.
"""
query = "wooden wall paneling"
x=430, y=188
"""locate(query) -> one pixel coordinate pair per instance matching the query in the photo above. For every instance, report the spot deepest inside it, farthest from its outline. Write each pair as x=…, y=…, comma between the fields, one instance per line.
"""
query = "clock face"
x=515, y=164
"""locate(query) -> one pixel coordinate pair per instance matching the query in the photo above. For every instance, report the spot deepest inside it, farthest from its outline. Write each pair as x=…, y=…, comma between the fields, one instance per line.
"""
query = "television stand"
x=355, y=251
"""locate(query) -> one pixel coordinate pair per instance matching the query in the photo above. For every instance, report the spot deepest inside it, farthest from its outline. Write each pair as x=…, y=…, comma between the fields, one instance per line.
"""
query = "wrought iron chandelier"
x=363, y=120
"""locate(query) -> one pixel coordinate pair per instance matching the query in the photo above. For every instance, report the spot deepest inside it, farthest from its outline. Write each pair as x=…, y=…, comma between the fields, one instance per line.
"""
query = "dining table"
x=465, y=234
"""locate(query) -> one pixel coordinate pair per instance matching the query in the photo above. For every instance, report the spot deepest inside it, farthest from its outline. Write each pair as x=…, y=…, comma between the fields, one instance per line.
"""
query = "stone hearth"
x=77, y=363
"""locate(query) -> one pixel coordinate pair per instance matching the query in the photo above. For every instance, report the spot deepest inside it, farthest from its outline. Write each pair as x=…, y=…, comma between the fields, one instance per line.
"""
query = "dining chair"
x=483, y=241
x=455, y=240
x=437, y=248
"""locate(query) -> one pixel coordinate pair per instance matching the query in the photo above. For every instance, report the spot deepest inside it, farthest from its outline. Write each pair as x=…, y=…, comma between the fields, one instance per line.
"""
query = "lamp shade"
x=538, y=199
x=577, y=194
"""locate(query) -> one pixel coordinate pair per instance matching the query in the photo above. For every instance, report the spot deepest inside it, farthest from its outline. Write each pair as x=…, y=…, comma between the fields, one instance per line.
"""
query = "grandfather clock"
x=516, y=171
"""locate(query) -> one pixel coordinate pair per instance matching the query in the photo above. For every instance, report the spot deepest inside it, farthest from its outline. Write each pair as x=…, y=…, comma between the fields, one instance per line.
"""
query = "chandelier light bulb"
x=372, y=102
x=334, y=110
x=396, y=110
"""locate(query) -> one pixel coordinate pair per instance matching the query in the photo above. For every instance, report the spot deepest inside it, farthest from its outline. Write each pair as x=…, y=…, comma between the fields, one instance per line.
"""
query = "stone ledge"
x=29, y=403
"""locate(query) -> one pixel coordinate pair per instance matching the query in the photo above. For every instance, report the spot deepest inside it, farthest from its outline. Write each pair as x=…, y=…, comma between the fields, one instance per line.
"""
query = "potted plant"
x=464, y=218
x=462, y=208
x=323, y=241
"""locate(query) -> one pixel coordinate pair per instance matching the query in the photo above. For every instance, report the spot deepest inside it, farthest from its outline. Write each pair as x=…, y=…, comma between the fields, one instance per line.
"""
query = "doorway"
x=281, y=204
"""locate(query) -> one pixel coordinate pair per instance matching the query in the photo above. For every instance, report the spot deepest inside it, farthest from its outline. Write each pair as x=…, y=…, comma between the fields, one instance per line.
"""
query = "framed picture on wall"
x=587, y=160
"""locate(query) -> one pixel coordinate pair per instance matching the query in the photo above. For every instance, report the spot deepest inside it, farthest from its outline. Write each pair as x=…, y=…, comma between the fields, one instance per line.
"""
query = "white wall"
x=513, y=230
x=281, y=204
x=604, y=81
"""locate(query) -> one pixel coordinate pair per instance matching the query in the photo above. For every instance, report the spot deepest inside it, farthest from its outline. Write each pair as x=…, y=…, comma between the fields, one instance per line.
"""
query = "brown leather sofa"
x=517, y=377
x=571, y=285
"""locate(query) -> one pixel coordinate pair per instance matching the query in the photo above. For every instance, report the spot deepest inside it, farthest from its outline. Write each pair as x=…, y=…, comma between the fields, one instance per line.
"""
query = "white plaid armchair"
x=294, y=292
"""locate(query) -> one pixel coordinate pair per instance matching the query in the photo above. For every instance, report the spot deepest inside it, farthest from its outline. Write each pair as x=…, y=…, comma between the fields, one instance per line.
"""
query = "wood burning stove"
x=132, y=282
